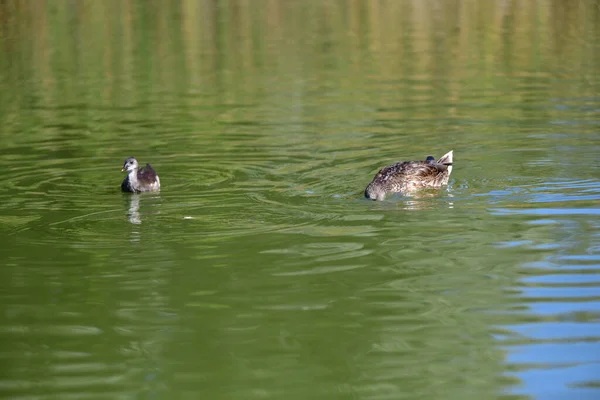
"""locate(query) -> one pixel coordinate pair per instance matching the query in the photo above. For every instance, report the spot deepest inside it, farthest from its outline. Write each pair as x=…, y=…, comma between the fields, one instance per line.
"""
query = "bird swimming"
x=144, y=179
x=408, y=176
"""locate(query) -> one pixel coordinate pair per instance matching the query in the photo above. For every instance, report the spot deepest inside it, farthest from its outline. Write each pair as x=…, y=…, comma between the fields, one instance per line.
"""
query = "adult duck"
x=408, y=176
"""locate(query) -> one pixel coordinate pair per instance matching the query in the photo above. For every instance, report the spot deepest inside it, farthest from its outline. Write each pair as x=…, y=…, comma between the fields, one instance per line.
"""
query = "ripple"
x=320, y=270
x=547, y=211
x=55, y=330
x=556, y=331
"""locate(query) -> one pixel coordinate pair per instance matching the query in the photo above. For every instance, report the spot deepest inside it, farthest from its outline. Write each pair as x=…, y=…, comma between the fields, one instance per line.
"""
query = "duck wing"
x=406, y=171
x=441, y=167
x=423, y=168
x=415, y=168
x=147, y=174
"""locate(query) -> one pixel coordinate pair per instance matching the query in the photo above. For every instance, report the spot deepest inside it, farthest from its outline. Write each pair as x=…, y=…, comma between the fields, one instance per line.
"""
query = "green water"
x=260, y=271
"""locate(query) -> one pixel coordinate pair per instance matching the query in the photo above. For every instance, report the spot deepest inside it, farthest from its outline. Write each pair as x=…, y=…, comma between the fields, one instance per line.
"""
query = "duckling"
x=405, y=177
x=144, y=179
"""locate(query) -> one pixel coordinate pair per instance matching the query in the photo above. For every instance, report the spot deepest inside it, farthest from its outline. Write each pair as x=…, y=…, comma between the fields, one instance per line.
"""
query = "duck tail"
x=447, y=159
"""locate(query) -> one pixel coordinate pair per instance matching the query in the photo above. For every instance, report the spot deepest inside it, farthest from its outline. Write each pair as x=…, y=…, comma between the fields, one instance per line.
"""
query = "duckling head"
x=130, y=164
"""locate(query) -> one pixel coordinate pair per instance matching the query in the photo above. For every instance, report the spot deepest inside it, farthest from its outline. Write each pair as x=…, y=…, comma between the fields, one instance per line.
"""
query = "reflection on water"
x=260, y=271
x=134, y=209
x=150, y=201
x=553, y=350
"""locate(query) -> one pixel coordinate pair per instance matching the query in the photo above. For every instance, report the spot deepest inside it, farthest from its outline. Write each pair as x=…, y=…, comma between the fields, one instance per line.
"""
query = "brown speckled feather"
x=408, y=176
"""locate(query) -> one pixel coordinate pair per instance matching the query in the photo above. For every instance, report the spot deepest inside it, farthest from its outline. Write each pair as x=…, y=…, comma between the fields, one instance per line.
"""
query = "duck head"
x=374, y=192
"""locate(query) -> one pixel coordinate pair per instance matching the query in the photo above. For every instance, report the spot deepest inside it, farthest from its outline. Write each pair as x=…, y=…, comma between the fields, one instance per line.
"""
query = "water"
x=259, y=270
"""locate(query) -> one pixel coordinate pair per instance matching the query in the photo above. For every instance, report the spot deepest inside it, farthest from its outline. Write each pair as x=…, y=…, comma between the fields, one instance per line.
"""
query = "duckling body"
x=405, y=177
x=143, y=179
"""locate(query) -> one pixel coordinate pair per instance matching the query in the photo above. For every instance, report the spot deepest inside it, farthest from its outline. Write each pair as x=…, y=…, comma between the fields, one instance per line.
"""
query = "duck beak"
x=123, y=169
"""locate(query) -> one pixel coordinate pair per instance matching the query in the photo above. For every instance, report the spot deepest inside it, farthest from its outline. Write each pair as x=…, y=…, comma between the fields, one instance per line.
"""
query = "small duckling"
x=405, y=177
x=144, y=179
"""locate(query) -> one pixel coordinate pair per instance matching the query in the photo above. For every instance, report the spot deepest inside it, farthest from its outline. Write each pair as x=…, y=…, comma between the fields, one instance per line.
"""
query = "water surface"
x=259, y=270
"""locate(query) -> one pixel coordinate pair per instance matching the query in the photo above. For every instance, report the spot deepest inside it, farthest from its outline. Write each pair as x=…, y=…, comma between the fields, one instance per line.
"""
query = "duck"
x=408, y=176
x=144, y=179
